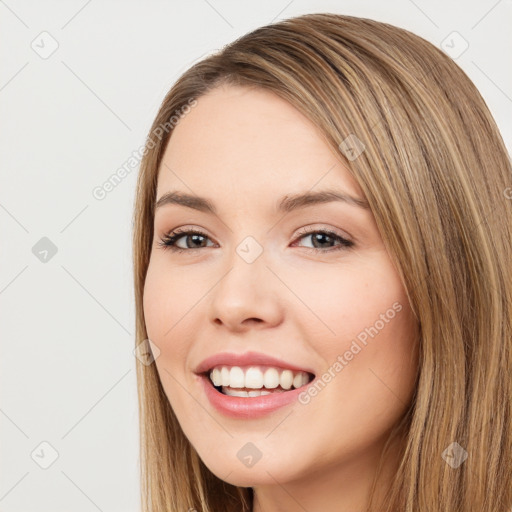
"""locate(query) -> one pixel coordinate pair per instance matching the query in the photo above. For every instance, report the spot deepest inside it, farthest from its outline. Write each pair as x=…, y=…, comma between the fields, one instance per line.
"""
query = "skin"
x=244, y=149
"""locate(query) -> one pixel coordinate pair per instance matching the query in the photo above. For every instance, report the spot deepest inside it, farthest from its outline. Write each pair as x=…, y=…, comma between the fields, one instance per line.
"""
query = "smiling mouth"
x=255, y=381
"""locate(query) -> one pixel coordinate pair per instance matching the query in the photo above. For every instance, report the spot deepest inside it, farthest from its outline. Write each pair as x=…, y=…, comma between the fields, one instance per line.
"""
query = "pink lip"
x=246, y=359
x=247, y=407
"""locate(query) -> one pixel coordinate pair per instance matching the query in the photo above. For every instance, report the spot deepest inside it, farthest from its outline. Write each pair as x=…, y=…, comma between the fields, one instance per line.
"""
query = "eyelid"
x=312, y=228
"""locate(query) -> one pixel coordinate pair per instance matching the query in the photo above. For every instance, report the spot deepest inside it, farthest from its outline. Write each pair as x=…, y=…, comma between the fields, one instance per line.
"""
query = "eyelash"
x=169, y=240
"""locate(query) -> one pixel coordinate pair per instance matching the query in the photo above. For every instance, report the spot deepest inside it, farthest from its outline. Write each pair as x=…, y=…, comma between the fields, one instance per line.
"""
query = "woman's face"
x=263, y=280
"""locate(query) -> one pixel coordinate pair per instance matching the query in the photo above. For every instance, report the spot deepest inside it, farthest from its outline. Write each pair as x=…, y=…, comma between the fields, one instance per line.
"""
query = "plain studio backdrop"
x=80, y=83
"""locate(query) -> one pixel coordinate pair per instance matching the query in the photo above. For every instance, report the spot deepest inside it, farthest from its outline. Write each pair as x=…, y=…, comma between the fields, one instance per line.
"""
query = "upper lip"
x=245, y=359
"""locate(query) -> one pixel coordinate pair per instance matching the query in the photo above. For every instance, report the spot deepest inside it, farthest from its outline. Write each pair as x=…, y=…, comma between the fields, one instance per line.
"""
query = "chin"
x=248, y=477
x=264, y=472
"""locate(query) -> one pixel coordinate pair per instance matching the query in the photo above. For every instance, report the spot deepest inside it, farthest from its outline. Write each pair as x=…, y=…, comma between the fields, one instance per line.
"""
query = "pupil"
x=195, y=238
x=319, y=236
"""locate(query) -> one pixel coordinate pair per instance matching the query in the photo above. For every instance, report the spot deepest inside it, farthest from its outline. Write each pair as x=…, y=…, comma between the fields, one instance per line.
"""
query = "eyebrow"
x=287, y=204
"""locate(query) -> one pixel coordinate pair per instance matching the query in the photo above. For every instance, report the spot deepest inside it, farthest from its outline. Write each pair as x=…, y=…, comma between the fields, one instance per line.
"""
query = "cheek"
x=153, y=303
x=370, y=370
x=368, y=328
x=352, y=301
x=166, y=301
x=165, y=304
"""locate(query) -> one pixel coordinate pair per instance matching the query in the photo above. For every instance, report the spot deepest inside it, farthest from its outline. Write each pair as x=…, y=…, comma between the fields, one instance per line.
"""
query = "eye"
x=319, y=237
x=169, y=240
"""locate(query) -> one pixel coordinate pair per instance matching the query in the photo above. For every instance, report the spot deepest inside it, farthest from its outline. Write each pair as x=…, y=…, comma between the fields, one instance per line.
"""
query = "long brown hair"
x=438, y=179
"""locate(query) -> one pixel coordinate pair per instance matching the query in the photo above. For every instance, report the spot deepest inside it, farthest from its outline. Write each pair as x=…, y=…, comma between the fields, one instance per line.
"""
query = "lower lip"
x=248, y=407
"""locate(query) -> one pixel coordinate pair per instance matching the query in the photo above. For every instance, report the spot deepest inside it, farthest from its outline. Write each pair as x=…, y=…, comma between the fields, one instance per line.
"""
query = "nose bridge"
x=247, y=289
x=247, y=272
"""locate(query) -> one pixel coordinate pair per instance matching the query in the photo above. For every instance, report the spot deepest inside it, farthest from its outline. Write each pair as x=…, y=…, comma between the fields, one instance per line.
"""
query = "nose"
x=247, y=296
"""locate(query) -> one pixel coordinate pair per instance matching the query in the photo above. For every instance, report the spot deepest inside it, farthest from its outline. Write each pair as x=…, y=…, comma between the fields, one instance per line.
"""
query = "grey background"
x=69, y=120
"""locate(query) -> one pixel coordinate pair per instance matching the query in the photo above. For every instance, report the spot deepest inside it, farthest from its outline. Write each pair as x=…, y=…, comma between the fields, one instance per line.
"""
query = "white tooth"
x=224, y=375
x=297, y=380
x=258, y=392
x=253, y=378
x=305, y=378
x=234, y=392
x=286, y=379
x=215, y=377
x=271, y=378
x=236, y=377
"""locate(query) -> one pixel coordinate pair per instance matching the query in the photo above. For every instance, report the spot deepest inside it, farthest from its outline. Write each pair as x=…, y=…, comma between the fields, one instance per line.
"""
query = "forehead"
x=252, y=143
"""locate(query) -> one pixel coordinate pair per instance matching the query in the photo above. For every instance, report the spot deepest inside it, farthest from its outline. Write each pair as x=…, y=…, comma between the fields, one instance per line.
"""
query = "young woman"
x=322, y=241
